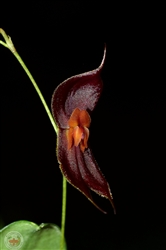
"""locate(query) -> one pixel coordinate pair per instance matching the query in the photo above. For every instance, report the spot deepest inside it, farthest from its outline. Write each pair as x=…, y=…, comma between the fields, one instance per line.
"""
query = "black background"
x=56, y=41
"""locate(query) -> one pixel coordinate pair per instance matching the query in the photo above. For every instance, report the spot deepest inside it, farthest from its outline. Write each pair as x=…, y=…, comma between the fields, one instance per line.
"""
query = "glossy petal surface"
x=80, y=91
x=81, y=170
x=72, y=101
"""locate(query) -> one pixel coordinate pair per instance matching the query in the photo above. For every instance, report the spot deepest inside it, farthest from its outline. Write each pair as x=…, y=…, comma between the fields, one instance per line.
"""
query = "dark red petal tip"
x=82, y=171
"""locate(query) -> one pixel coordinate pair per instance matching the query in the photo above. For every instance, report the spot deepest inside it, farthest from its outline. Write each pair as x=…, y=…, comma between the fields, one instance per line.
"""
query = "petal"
x=70, y=166
x=69, y=134
x=84, y=119
x=80, y=91
x=84, y=141
x=77, y=135
x=74, y=118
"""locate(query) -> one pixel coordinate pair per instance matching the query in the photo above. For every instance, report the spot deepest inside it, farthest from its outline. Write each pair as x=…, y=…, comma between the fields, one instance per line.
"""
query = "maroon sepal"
x=71, y=102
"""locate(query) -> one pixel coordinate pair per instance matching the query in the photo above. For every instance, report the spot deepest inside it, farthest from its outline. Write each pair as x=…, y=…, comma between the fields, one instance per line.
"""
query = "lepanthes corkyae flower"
x=72, y=102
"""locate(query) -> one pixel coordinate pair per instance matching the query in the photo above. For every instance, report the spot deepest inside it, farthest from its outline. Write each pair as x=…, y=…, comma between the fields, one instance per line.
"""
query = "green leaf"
x=25, y=235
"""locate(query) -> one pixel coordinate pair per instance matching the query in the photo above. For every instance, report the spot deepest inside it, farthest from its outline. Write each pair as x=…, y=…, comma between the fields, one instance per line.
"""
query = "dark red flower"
x=72, y=102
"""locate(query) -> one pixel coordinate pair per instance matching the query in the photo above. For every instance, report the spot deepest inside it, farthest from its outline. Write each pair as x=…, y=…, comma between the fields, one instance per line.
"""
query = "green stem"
x=38, y=90
x=9, y=44
x=63, y=218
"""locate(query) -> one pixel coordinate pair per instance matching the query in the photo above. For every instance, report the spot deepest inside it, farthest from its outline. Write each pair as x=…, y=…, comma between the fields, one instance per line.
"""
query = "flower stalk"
x=9, y=44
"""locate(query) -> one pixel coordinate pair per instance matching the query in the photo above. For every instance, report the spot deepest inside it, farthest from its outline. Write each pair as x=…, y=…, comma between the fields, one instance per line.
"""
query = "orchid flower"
x=72, y=102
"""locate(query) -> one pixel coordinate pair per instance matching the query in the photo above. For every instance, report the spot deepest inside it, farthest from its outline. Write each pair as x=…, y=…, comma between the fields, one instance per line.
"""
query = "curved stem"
x=4, y=44
x=9, y=44
x=38, y=91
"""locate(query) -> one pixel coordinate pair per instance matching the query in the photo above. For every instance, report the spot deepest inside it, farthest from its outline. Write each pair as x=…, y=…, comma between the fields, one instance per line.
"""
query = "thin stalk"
x=63, y=216
x=9, y=44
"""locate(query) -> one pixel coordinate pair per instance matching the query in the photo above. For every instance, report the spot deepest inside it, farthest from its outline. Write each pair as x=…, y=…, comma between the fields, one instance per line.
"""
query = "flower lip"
x=78, y=133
